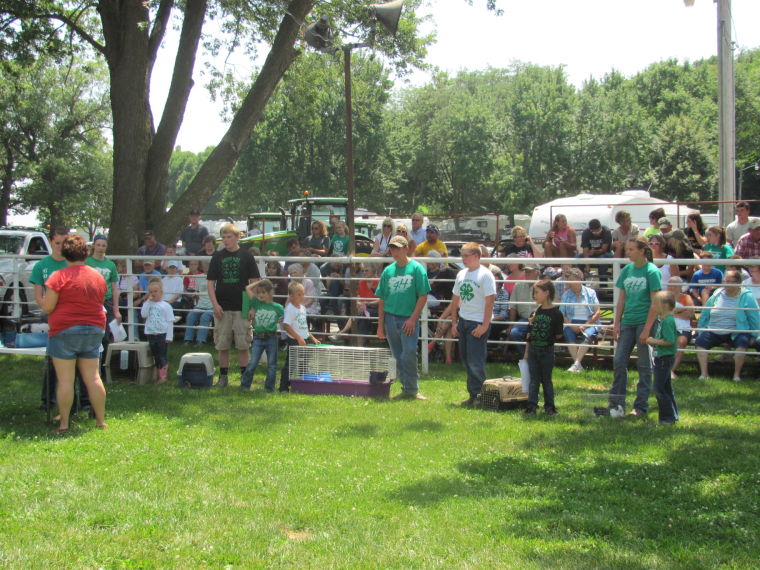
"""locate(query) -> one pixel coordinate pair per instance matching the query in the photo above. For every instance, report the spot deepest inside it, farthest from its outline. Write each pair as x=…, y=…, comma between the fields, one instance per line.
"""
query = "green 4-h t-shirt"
x=107, y=269
x=638, y=283
x=400, y=287
x=267, y=315
x=44, y=268
x=667, y=332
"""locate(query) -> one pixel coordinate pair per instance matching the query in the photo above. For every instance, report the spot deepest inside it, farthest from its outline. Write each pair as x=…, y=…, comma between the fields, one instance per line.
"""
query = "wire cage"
x=341, y=370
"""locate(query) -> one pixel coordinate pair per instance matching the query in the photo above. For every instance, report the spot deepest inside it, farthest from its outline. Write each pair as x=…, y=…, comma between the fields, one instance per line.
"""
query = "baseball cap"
x=678, y=234
x=664, y=222
x=148, y=233
x=148, y=262
x=530, y=267
x=753, y=224
x=432, y=228
x=195, y=212
x=398, y=241
x=174, y=264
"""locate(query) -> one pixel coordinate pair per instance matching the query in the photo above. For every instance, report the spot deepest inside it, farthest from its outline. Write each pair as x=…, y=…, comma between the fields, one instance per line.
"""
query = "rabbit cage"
x=341, y=370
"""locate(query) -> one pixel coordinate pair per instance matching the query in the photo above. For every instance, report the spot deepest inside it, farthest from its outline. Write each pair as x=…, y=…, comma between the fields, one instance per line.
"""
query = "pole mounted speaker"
x=318, y=35
x=387, y=14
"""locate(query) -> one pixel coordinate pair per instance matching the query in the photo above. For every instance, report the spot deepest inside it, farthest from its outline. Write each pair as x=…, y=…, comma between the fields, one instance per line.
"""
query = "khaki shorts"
x=232, y=324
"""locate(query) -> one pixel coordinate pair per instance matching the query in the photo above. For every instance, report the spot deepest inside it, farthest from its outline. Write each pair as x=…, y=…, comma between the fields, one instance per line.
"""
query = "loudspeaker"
x=388, y=14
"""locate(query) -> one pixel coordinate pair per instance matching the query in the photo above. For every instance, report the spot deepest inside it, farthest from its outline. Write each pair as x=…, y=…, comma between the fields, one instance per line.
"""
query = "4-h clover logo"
x=465, y=292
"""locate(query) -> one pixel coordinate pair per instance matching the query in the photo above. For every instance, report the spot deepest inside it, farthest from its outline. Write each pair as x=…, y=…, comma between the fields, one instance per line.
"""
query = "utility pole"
x=726, y=114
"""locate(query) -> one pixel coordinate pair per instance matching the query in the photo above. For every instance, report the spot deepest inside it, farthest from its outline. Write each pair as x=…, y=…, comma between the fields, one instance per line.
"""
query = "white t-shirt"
x=296, y=318
x=173, y=285
x=735, y=230
x=472, y=288
x=617, y=235
x=755, y=288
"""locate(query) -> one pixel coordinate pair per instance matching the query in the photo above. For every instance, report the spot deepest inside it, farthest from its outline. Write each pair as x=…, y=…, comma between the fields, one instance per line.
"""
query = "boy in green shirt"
x=664, y=343
x=259, y=305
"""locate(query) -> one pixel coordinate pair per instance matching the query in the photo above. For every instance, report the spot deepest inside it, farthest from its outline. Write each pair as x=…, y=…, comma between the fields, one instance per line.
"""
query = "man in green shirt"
x=664, y=343
x=402, y=291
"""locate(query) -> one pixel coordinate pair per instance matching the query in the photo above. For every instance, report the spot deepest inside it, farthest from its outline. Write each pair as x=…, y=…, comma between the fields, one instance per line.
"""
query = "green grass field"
x=221, y=478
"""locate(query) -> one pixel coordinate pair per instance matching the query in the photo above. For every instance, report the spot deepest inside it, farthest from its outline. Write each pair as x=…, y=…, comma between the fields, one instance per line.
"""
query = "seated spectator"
x=367, y=304
x=403, y=231
x=521, y=246
x=560, y=241
x=340, y=239
x=163, y=264
x=716, y=244
x=275, y=272
x=144, y=277
x=432, y=243
x=753, y=281
x=730, y=308
x=596, y=242
x=318, y=243
x=174, y=286
x=748, y=246
x=150, y=247
x=380, y=247
x=201, y=310
x=129, y=291
x=560, y=283
x=515, y=273
x=500, y=306
x=740, y=226
x=311, y=296
x=739, y=266
x=696, y=231
x=441, y=277
x=654, y=222
x=683, y=313
x=294, y=250
x=665, y=225
x=581, y=312
x=657, y=245
x=704, y=281
x=208, y=245
x=677, y=246
x=625, y=231
x=334, y=278
x=521, y=306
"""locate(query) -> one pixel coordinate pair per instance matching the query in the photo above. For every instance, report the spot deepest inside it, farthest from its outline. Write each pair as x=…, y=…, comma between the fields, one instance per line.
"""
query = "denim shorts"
x=80, y=341
x=709, y=339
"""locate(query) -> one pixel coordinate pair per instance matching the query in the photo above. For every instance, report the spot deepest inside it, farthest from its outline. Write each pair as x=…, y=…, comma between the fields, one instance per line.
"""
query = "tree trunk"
x=223, y=158
x=126, y=32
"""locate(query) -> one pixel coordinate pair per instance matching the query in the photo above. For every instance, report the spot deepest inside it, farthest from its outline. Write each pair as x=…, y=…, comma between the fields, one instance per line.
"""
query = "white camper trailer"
x=584, y=207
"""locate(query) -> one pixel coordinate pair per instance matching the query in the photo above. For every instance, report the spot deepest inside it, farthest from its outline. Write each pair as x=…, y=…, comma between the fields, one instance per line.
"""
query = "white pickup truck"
x=17, y=302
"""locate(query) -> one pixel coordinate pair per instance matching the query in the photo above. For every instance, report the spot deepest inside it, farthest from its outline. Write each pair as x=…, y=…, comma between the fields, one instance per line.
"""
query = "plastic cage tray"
x=340, y=370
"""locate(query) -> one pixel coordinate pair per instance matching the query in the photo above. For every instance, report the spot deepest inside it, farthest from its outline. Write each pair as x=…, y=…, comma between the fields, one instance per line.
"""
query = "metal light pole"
x=726, y=113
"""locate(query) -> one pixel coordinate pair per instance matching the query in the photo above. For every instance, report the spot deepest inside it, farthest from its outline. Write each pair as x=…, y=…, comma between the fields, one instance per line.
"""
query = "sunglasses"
x=387, y=226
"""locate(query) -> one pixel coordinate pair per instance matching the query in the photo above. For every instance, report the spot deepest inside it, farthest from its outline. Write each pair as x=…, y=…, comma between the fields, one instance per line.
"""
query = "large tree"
x=129, y=34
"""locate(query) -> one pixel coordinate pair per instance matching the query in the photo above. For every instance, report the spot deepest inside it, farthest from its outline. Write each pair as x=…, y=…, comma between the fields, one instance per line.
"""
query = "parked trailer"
x=584, y=207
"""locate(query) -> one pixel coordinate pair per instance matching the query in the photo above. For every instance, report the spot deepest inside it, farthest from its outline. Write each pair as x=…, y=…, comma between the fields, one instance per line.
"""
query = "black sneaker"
x=468, y=403
x=530, y=410
x=551, y=411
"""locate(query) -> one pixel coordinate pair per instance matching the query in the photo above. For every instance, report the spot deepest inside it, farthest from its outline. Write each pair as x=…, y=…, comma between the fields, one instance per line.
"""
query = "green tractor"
x=272, y=230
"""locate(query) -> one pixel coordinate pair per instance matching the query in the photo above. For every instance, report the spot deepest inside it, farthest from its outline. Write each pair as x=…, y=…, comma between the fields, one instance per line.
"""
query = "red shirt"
x=81, y=291
x=191, y=281
x=367, y=288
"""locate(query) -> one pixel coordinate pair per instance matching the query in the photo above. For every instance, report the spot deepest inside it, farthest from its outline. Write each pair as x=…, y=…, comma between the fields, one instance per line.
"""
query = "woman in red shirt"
x=74, y=300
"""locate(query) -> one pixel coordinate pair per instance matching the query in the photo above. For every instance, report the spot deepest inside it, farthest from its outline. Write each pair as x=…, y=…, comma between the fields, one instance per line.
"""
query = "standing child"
x=471, y=314
x=664, y=343
x=159, y=326
x=544, y=328
x=259, y=305
x=296, y=328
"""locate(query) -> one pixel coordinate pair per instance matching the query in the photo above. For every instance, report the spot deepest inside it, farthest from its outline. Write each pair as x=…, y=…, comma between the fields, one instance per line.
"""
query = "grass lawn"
x=220, y=478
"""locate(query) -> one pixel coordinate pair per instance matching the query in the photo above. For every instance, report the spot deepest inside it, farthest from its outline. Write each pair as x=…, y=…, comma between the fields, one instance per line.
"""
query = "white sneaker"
x=579, y=367
x=572, y=368
x=704, y=377
x=737, y=379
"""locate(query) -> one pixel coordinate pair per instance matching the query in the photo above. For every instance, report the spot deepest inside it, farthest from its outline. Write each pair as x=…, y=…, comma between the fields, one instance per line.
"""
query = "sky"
x=588, y=37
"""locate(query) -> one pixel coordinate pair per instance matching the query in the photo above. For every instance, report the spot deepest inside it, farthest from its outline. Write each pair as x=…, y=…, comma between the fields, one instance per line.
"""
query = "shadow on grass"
x=357, y=430
x=594, y=482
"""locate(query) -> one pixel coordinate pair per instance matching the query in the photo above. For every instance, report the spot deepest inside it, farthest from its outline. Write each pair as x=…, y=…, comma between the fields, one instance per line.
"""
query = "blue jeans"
x=541, y=364
x=473, y=352
x=404, y=350
x=663, y=388
x=629, y=337
x=260, y=346
x=518, y=334
x=586, y=336
x=193, y=318
x=159, y=348
x=709, y=339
